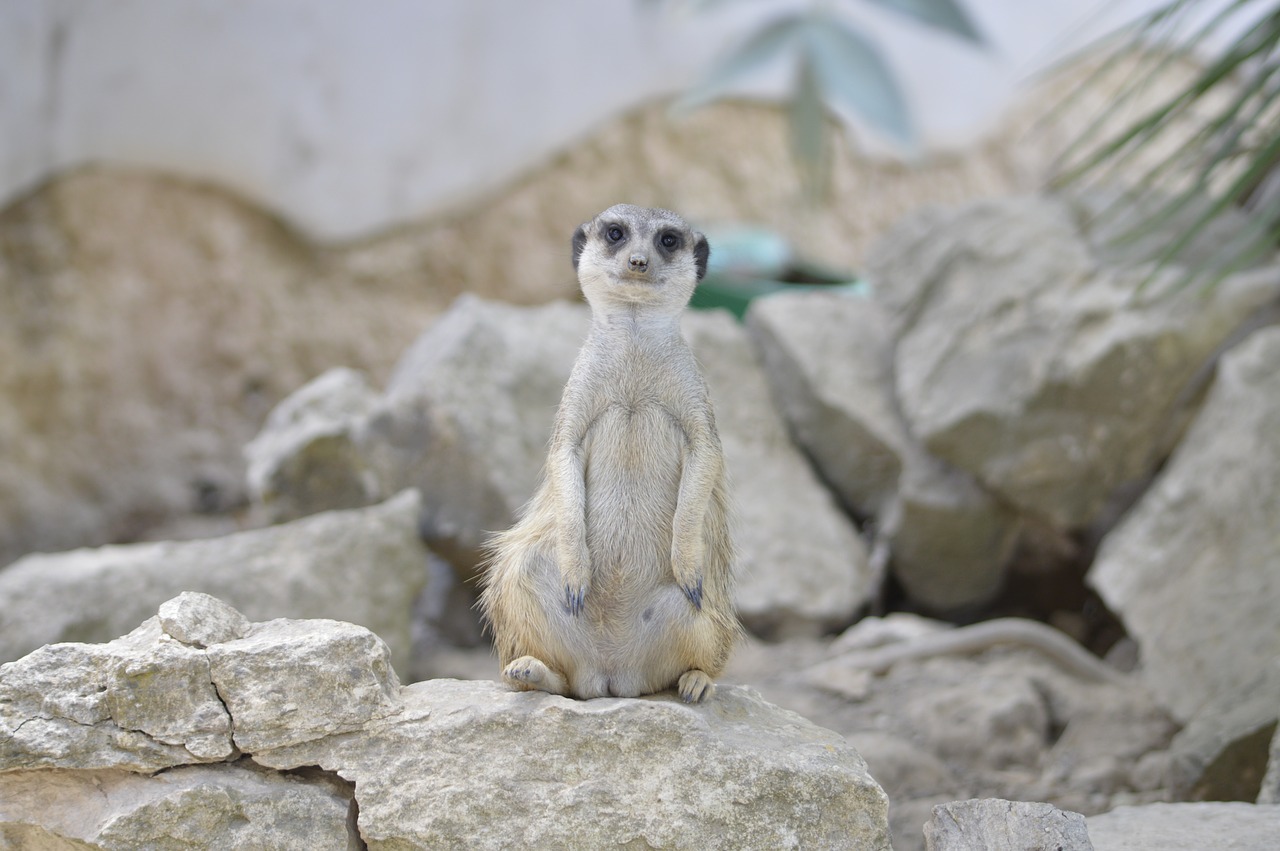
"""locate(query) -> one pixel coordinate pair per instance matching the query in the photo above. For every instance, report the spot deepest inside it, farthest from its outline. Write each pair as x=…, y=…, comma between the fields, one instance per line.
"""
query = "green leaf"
x=809, y=131
x=946, y=15
x=753, y=54
x=851, y=72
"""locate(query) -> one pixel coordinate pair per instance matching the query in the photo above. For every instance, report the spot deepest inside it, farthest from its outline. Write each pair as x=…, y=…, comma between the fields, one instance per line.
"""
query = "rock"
x=992, y=721
x=1190, y=570
x=468, y=412
x=829, y=359
x=736, y=773
x=1270, y=791
x=238, y=805
x=147, y=325
x=991, y=824
x=148, y=701
x=201, y=620
x=1048, y=376
x=305, y=460
x=949, y=541
x=291, y=681
x=143, y=702
x=1186, y=827
x=365, y=566
x=440, y=764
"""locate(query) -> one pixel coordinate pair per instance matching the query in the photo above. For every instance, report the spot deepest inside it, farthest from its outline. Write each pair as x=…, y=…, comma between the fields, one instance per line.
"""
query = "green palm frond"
x=1222, y=131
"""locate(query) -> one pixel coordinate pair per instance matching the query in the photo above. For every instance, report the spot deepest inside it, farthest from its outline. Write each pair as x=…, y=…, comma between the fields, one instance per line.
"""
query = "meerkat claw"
x=694, y=593
x=575, y=599
x=695, y=686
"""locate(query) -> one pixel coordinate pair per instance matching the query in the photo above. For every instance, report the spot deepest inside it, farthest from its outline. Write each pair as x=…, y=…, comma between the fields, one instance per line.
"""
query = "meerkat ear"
x=579, y=243
x=701, y=254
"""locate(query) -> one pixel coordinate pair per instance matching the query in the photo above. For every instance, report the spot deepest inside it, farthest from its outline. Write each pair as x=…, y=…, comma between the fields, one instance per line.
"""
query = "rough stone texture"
x=1191, y=569
x=736, y=773
x=291, y=681
x=1043, y=373
x=201, y=620
x=229, y=806
x=467, y=415
x=991, y=824
x=304, y=460
x=142, y=702
x=365, y=566
x=1186, y=827
x=829, y=360
x=440, y=764
x=147, y=701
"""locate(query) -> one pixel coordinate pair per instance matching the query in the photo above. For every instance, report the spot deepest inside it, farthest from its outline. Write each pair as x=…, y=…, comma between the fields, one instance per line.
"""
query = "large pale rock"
x=229, y=806
x=829, y=359
x=992, y=824
x=1227, y=826
x=441, y=764
x=364, y=566
x=1026, y=362
x=467, y=416
x=150, y=701
x=290, y=681
x=558, y=773
x=305, y=459
x=142, y=702
x=1191, y=569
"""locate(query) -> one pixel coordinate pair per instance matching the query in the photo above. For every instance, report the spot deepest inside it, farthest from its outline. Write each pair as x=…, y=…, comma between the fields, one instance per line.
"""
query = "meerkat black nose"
x=639, y=262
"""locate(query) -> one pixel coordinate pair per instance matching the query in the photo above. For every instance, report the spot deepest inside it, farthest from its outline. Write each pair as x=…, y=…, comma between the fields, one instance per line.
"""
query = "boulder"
x=366, y=566
x=150, y=701
x=1227, y=826
x=466, y=418
x=992, y=824
x=1191, y=569
x=829, y=361
x=829, y=358
x=1050, y=376
x=559, y=773
x=237, y=805
x=440, y=764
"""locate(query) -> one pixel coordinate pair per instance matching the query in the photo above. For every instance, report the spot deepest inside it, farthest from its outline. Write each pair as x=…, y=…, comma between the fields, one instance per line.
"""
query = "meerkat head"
x=639, y=257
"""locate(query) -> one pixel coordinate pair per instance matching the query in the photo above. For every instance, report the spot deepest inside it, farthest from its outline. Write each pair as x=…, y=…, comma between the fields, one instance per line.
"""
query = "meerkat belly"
x=633, y=464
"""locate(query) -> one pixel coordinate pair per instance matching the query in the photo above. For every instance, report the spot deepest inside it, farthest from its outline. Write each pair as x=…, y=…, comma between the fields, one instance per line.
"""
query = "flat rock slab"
x=1224, y=826
x=992, y=824
x=472, y=765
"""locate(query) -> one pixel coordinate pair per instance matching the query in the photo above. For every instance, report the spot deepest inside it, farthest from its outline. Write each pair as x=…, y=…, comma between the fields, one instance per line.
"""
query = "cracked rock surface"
x=308, y=741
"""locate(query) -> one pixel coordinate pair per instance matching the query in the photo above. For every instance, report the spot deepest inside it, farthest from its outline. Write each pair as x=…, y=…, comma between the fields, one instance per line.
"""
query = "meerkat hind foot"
x=695, y=686
x=529, y=672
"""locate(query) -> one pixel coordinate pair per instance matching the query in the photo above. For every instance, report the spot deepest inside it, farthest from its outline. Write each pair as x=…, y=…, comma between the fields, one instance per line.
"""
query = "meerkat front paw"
x=686, y=565
x=575, y=573
x=695, y=686
x=529, y=672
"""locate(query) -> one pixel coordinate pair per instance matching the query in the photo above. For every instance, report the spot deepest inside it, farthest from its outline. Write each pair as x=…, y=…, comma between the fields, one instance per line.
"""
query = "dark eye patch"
x=615, y=233
x=669, y=241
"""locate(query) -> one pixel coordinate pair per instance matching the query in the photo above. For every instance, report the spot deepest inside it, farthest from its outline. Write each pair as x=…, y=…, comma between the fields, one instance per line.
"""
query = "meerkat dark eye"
x=614, y=234
x=670, y=240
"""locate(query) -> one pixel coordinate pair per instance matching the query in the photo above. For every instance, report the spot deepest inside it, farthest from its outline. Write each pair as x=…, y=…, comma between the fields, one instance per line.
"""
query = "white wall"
x=348, y=117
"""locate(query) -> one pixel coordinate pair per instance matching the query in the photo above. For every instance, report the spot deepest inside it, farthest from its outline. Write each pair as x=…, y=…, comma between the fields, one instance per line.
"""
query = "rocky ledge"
x=201, y=729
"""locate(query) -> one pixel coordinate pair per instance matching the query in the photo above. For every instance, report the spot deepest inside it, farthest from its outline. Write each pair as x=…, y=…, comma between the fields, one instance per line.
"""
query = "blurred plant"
x=1231, y=157
x=836, y=66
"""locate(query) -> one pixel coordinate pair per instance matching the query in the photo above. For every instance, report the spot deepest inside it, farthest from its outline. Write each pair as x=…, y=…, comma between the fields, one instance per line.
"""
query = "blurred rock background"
x=286, y=307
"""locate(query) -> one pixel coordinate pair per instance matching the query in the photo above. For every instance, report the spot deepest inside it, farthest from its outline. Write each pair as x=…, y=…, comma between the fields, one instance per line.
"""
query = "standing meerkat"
x=616, y=580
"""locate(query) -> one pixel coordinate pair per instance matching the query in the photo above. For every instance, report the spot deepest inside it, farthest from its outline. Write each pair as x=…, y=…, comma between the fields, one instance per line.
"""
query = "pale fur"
x=617, y=578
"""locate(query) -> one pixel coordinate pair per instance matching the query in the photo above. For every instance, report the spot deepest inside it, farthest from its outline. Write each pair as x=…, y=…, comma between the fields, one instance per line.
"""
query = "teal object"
x=749, y=263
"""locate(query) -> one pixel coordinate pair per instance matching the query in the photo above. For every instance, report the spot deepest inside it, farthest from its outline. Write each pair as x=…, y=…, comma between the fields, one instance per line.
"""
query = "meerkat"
x=617, y=578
